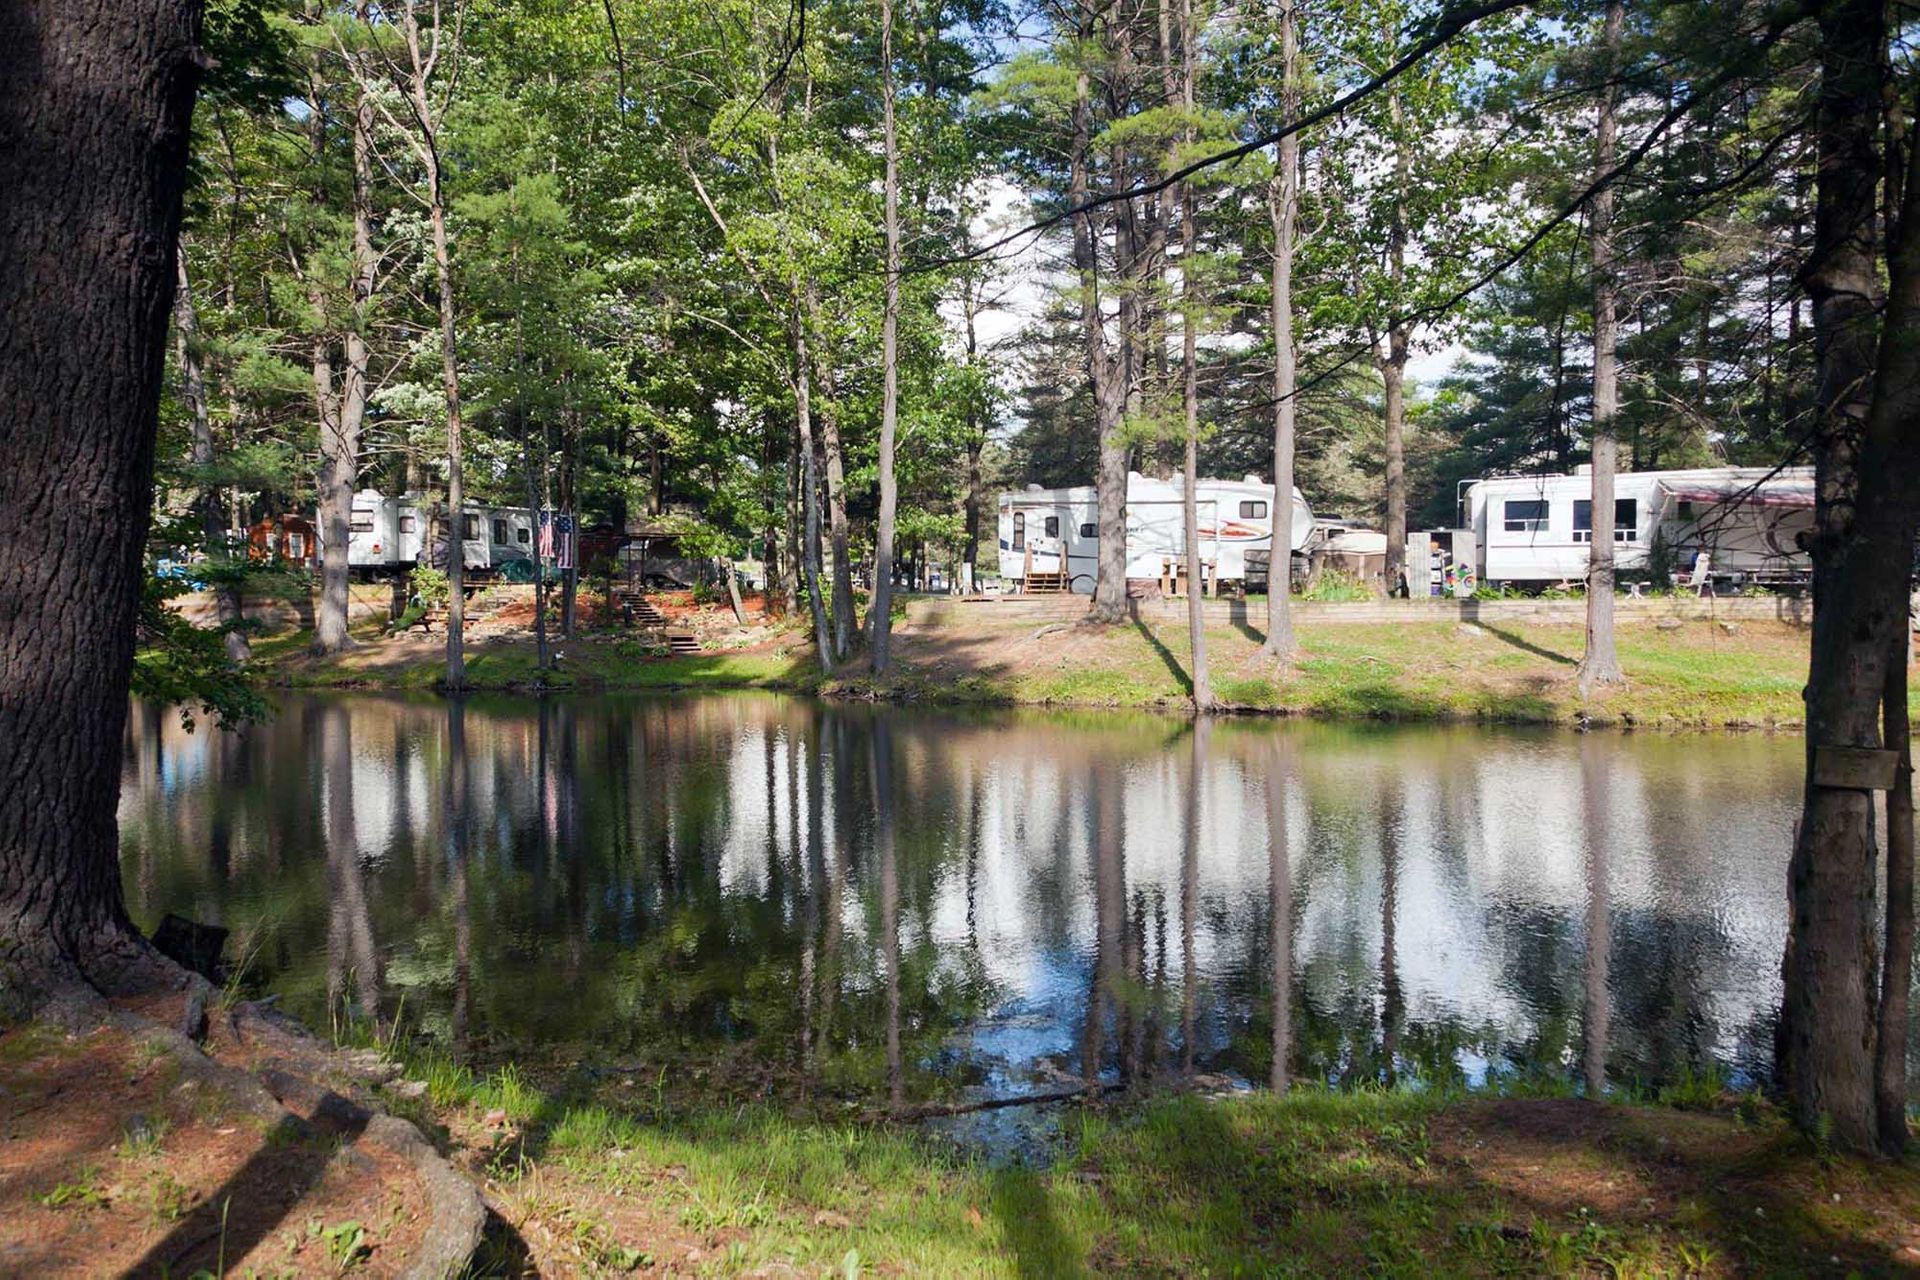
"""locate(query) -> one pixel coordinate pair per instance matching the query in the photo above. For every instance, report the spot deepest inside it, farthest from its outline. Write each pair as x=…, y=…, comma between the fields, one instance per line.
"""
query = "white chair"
x=1701, y=582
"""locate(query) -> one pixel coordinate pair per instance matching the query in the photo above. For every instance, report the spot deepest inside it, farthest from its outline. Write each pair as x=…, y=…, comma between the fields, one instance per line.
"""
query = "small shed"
x=289, y=539
x=650, y=555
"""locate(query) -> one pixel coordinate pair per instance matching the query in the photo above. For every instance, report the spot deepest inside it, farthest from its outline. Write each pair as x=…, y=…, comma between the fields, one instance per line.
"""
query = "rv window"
x=1090, y=531
x=1686, y=508
x=469, y=528
x=1019, y=531
x=500, y=531
x=526, y=536
x=406, y=524
x=1253, y=511
x=1525, y=517
x=1626, y=520
x=1053, y=526
x=362, y=522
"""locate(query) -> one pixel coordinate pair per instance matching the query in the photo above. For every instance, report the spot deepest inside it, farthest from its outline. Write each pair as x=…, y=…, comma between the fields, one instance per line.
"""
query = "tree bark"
x=422, y=62
x=838, y=533
x=1896, y=970
x=1600, y=665
x=882, y=608
x=95, y=101
x=1190, y=397
x=809, y=490
x=213, y=519
x=1393, y=362
x=1824, y=1059
x=976, y=435
x=1109, y=389
x=1283, y=196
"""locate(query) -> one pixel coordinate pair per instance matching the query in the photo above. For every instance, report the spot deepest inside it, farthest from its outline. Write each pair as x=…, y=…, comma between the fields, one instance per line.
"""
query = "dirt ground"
x=119, y=1158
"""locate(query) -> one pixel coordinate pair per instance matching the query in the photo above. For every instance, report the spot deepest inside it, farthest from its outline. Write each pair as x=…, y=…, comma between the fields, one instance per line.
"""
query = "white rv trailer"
x=1056, y=531
x=1538, y=529
x=390, y=534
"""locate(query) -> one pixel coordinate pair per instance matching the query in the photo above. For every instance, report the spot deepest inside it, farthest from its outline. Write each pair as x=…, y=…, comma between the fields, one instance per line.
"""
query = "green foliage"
x=428, y=586
x=1335, y=586
x=83, y=1191
x=181, y=664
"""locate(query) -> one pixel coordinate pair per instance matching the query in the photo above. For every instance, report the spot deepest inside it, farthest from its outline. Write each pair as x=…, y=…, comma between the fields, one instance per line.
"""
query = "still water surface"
x=863, y=903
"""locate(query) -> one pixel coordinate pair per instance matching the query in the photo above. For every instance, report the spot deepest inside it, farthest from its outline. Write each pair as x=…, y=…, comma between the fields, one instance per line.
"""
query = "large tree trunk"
x=1283, y=192
x=889, y=368
x=1896, y=970
x=95, y=106
x=1827, y=1007
x=1600, y=665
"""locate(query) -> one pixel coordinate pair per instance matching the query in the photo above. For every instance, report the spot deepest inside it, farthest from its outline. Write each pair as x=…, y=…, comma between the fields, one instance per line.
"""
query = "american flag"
x=546, y=536
x=563, y=526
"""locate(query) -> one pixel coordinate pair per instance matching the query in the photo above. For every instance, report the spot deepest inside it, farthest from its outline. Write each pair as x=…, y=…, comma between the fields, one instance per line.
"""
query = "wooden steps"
x=637, y=609
x=1044, y=584
x=682, y=642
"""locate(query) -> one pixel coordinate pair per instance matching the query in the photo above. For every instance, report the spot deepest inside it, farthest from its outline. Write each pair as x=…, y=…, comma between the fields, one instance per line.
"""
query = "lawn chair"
x=1701, y=582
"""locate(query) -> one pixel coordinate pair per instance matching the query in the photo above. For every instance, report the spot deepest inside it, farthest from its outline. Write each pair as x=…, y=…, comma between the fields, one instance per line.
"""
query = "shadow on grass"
x=1181, y=678
x=1470, y=613
x=1041, y=1246
x=1240, y=614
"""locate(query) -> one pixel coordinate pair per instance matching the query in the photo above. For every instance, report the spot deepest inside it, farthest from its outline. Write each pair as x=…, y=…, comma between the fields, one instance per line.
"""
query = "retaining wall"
x=277, y=613
x=951, y=610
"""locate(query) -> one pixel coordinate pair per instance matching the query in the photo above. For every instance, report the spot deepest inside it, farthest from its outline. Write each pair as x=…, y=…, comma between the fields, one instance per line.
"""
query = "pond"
x=786, y=897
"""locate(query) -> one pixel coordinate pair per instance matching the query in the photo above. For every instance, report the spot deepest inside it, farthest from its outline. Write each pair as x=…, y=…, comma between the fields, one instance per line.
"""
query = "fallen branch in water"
x=932, y=1110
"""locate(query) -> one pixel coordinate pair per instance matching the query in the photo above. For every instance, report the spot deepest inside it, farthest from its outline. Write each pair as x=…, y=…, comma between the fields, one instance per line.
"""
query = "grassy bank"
x=1696, y=674
x=1313, y=1183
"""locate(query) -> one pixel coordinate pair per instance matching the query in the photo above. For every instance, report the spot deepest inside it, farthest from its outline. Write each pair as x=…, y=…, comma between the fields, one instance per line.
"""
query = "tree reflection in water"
x=884, y=906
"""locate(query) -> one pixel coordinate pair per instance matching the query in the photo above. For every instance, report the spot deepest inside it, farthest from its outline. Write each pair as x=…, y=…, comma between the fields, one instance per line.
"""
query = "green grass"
x=1695, y=676
x=1318, y=1182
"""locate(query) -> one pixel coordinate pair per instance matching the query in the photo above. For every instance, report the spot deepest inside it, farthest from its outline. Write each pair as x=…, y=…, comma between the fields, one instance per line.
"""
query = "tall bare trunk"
x=1109, y=389
x=1190, y=396
x=1283, y=198
x=339, y=456
x=1600, y=664
x=213, y=519
x=1393, y=360
x=889, y=361
x=424, y=59
x=97, y=106
x=837, y=530
x=976, y=435
x=809, y=555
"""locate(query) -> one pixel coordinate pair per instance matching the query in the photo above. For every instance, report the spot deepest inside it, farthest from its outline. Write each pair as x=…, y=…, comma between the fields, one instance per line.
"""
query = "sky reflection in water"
x=865, y=903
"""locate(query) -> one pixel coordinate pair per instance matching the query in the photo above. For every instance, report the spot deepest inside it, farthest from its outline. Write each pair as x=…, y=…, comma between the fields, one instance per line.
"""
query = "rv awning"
x=1772, y=493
